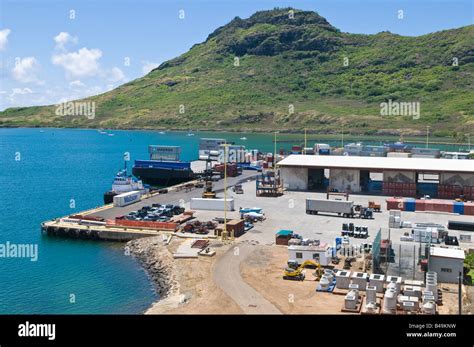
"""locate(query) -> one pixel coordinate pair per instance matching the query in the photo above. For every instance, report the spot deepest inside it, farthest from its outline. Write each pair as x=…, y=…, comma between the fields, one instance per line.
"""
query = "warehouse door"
x=315, y=179
x=364, y=180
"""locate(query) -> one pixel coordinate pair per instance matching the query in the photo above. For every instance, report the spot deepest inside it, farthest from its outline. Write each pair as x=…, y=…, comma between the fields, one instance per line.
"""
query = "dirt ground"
x=197, y=287
x=263, y=270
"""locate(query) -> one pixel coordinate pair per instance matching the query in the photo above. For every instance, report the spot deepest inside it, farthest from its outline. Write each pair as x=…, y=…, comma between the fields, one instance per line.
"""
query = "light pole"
x=427, y=135
x=274, y=149
x=304, y=149
x=342, y=135
x=224, y=232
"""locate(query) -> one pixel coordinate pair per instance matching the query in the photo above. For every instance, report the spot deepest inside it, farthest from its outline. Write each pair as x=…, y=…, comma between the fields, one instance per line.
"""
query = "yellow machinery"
x=295, y=273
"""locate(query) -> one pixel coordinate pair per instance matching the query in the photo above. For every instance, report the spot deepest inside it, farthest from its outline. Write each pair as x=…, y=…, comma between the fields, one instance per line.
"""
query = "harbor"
x=362, y=221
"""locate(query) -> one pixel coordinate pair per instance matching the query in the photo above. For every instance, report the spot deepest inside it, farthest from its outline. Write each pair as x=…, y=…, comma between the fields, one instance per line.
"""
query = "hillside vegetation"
x=274, y=72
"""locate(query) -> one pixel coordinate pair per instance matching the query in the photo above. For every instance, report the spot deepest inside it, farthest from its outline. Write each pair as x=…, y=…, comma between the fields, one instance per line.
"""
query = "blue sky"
x=48, y=57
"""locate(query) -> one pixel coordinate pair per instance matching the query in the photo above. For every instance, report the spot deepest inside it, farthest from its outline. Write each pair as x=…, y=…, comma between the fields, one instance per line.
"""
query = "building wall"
x=295, y=178
x=345, y=179
x=399, y=177
x=437, y=263
x=462, y=179
x=324, y=256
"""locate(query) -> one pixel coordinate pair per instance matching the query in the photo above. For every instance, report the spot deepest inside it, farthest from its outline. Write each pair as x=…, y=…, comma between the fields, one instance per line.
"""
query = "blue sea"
x=41, y=171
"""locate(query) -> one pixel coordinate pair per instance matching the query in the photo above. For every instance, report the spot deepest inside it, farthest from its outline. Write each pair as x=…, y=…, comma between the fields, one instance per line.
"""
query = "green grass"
x=295, y=62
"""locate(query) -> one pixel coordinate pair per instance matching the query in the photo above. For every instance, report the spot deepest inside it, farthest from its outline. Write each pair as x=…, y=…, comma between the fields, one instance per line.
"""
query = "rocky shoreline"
x=158, y=262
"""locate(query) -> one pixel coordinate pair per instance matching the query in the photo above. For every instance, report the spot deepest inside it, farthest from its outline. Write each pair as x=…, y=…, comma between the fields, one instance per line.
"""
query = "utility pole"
x=304, y=149
x=224, y=232
x=460, y=292
x=274, y=149
x=342, y=136
x=427, y=135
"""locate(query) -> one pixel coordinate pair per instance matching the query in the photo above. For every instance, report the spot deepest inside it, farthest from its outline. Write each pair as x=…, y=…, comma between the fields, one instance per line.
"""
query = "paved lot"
x=289, y=212
x=172, y=197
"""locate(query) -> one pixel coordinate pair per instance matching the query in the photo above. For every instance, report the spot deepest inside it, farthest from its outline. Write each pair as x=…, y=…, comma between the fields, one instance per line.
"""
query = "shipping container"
x=314, y=206
x=458, y=207
x=127, y=198
x=211, y=204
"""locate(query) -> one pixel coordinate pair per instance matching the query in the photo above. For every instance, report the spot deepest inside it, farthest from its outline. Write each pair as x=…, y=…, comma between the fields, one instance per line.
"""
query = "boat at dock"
x=123, y=183
x=164, y=167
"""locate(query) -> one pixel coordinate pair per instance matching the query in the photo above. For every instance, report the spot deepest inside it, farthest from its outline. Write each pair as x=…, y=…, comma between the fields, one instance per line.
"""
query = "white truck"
x=344, y=208
x=127, y=198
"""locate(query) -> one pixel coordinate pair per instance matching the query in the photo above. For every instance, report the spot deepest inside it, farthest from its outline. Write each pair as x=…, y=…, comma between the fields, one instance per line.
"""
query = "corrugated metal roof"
x=285, y=232
x=447, y=252
x=378, y=163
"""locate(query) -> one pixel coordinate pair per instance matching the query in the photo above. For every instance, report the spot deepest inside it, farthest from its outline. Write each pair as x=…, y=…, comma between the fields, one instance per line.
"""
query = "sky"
x=54, y=51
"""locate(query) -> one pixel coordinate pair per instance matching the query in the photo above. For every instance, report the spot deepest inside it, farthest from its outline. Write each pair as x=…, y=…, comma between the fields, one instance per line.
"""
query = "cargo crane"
x=208, y=192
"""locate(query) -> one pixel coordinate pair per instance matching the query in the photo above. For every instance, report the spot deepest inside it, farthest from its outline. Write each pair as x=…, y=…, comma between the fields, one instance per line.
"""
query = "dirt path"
x=227, y=277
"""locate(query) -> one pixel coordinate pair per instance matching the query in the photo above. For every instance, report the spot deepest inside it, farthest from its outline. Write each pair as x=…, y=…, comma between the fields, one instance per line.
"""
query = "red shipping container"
x=420, y=205
x=469, y=208
x=394, y=204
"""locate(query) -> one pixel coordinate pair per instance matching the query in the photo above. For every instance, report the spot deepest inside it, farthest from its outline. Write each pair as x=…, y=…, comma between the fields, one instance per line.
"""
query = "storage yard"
x=284, y=250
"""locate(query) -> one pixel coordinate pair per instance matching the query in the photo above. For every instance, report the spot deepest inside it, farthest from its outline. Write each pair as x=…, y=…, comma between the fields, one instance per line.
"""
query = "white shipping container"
x=211, y=204
x=334, y=206
x=127, y=198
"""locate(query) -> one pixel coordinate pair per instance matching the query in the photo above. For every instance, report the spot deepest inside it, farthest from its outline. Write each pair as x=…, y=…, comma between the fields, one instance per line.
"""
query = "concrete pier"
x=99, y=230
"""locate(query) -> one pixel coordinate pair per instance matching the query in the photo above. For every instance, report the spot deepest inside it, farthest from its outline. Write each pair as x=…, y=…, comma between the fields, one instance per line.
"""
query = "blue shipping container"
x=410, y=204
x=458, y=207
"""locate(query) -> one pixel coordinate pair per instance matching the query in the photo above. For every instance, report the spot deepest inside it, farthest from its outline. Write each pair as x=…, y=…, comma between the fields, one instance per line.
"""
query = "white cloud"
x=4, y=38
x=116, y=75
x=20, y=91
x=84, y=62
x=25, y=70
x=148, y=66
x=63, y=38
x=76, y=84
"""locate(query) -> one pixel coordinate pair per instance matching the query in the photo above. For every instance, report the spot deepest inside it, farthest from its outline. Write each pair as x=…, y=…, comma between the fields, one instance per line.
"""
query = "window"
x=299, y=255
x=444, y=269
x=316, y=256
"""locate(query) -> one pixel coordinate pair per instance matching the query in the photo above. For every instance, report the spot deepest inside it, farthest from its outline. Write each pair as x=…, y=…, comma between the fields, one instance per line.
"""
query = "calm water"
x=54, y=167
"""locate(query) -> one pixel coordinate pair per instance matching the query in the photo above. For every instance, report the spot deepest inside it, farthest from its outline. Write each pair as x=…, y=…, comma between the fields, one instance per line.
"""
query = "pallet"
x=358, y=306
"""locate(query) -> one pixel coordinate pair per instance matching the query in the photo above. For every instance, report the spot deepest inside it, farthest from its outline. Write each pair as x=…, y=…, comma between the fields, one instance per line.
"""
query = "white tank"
x=432, y=286
x=329, y=275
x=324, y=282
x=371, y=307
x=389, y=301
x=428, y=307
x=371, y=294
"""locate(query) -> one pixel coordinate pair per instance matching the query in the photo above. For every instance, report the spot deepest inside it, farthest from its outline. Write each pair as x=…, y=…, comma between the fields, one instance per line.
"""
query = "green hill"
x=305, y=65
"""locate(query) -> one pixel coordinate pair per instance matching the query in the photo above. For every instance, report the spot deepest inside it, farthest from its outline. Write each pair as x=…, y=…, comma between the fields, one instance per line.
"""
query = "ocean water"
x=41, y=170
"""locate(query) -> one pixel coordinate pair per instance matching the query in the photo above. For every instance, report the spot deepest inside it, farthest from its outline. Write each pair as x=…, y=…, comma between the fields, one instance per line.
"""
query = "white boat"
x=161, y=133
x=124, y=183
x=243, y=138
x=111, y=134
x=190, y=134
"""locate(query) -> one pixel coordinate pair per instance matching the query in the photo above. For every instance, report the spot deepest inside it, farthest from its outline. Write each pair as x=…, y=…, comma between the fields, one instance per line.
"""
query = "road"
x=227, y=277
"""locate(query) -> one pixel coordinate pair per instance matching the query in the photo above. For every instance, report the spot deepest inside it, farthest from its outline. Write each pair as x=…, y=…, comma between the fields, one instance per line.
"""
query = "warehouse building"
x=447, y=263
x=396, y=176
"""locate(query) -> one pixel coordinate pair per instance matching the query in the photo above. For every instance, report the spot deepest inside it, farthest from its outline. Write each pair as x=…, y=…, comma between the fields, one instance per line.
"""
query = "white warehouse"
x=447, y=263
